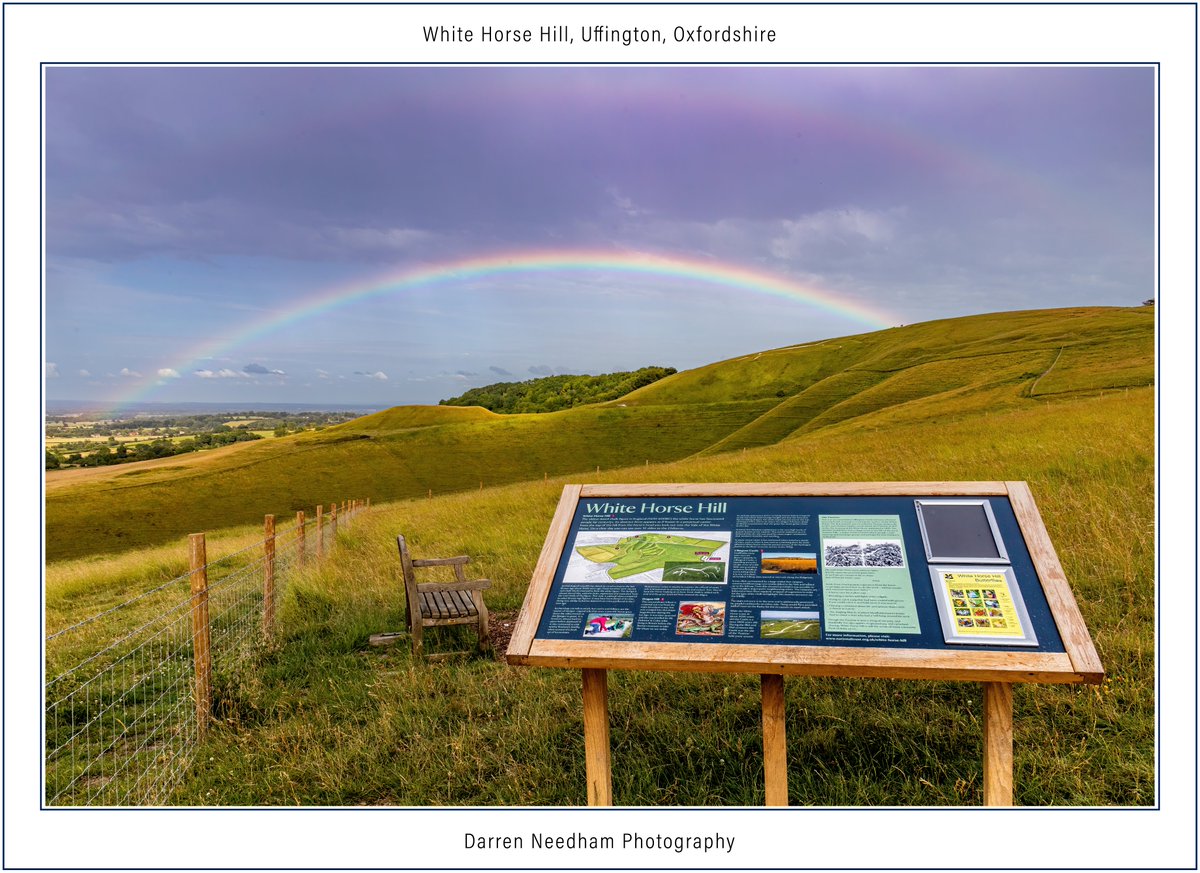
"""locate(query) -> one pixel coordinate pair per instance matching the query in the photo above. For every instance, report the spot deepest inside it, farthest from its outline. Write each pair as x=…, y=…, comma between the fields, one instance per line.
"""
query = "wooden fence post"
x=268, y=610
x=332, y=522
x=201, y=636
x=300, y=539
x=320, y=534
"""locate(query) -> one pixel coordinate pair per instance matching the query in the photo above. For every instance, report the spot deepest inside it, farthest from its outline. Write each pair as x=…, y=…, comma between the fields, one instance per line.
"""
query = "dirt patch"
x=500, y=626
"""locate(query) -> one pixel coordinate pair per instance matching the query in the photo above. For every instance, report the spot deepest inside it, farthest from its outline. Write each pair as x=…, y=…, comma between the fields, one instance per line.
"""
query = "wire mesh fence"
x=129, y=690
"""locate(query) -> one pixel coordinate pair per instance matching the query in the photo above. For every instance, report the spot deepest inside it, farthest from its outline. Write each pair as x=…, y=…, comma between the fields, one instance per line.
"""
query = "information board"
x=889, y=579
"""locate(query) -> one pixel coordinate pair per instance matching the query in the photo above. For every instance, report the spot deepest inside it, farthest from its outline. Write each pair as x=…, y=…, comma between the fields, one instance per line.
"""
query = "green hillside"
x=911, y=374
x=326, y=719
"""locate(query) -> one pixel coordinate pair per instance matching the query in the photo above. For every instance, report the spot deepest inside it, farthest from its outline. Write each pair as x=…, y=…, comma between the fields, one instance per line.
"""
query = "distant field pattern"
x=642, y=556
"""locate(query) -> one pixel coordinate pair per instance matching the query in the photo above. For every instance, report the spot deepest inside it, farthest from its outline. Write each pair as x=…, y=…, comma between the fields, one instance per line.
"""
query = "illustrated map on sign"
x=649, y=556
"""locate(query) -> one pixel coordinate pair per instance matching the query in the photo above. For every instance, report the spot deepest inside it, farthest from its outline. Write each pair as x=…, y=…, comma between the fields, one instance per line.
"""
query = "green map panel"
x=646, y=552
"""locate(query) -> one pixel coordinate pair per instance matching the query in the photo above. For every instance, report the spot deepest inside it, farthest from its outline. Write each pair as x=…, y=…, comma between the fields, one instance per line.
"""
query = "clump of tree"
x=552, y=393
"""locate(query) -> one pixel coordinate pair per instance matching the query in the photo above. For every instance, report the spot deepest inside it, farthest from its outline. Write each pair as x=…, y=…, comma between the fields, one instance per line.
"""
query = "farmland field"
x=788, y=564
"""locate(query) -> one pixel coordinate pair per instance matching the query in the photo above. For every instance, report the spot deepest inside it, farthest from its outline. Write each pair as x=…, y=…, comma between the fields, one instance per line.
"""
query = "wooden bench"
x=434, y=604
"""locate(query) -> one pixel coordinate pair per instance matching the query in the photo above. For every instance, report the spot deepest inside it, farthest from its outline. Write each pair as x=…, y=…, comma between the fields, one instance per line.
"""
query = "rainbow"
x=527, y=263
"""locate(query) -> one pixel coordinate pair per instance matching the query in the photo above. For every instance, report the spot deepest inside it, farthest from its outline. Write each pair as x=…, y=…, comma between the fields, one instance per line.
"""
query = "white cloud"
x=51, y=370
x=322, y=374
x=130, y=374
x=380, y=375
x=848, y=227
x=224, y=373
x=168, y=373
x=85, y=373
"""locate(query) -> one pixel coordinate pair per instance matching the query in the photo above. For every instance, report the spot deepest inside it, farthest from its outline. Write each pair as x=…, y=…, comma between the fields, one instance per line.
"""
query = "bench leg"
x=485, y=637
x=418, y=644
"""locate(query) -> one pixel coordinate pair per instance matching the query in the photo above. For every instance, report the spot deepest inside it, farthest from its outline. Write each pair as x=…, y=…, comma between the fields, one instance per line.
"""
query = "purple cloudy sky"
x=185, y=204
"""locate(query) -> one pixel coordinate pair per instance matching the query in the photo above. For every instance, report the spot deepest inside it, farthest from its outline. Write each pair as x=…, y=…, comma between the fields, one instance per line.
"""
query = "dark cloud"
x=499, y=371
x=541, y=370
x=260, y=370
x=381, y=164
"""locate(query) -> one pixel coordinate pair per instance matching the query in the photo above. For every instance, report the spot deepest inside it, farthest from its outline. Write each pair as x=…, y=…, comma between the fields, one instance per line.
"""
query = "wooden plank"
x=997, y=744
x=441, y=562
x=443, y=610
x=971, y=666
x=473, y=585
x=596, y=743
x=774, y=741
x=1071, y=627
x=543, y=574
x=444, y=622
x=798, y=489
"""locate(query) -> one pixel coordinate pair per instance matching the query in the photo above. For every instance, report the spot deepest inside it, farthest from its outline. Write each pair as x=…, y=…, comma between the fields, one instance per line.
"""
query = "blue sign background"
x=565, y=616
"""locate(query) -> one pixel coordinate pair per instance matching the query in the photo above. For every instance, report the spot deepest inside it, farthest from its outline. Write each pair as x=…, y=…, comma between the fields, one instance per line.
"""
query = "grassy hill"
x=915, y=374
x=328, y=720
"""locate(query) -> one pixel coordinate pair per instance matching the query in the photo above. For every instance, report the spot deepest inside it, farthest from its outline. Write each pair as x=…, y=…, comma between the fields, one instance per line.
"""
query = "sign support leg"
x=774, y=740
x=997, y=744
x=595, y=737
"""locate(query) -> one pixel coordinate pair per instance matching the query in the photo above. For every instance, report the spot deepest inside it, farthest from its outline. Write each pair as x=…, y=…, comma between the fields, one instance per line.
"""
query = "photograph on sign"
x=644, y=557
x=981, y=604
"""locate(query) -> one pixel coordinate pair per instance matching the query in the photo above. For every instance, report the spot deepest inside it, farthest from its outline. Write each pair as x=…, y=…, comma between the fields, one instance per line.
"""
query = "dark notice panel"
x=959, y=530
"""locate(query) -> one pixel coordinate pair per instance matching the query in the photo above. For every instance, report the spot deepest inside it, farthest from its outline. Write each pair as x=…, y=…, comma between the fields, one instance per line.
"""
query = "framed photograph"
x=981, y=605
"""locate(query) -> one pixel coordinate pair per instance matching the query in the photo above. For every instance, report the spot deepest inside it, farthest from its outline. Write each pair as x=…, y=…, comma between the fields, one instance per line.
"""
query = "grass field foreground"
x=329, y=720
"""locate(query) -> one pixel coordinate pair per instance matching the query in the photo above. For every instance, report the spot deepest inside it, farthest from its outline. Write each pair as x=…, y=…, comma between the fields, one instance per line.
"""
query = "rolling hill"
x=940, y=370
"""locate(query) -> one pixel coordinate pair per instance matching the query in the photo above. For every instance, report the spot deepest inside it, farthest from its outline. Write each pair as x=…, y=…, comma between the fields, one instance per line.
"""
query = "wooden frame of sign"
x=997, y=670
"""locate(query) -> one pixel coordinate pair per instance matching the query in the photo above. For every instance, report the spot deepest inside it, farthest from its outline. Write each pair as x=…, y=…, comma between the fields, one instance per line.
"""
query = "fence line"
x=129, y=690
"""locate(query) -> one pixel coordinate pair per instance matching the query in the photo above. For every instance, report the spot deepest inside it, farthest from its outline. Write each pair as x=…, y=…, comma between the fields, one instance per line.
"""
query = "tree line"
x=552, y=393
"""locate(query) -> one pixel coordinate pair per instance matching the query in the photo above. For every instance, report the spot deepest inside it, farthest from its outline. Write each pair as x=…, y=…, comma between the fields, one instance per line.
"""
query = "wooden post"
x=997, y=744
x=595, y=737
x=320, y=533
x=332, y=522
x=268, y=610
x=774, y=740
x=201, y=637
x=301, y=545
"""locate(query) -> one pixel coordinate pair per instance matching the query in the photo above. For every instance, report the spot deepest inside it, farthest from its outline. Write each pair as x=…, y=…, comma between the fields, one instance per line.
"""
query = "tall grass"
x=329, y=720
